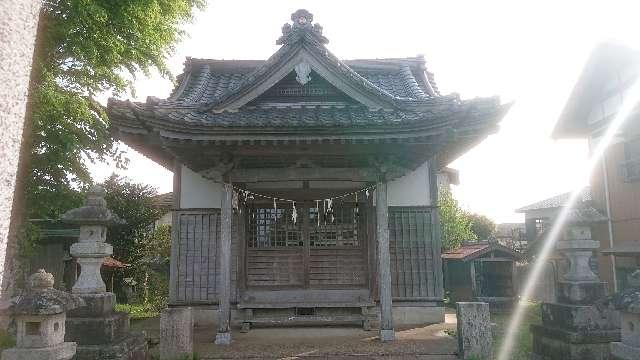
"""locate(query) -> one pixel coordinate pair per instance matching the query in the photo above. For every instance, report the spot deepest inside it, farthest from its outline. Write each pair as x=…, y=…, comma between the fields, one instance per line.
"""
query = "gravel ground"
x=290, y=343
x=328, y=342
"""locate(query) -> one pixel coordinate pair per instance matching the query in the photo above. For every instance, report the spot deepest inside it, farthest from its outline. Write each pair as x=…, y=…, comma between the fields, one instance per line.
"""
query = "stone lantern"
x=99, y=330
x=40, y=318
x=91, y=249
x=580, y=285
x=576, y=326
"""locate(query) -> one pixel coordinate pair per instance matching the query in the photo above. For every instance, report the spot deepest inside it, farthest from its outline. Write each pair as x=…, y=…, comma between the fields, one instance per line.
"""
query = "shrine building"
x=304, y=185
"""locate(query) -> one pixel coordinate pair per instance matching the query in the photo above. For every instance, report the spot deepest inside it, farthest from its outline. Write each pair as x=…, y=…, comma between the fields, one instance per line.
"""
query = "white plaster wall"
x=197, y=192
x=411, y=189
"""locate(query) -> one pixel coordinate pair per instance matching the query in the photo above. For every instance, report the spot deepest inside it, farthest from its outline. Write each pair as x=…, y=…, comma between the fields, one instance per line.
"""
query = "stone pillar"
x=176, y=333
x=384, y=266
x=223, y=337
x=40, y=318
x=100, y=331
x=18, y=28
x=474, y=330
x=574, y=327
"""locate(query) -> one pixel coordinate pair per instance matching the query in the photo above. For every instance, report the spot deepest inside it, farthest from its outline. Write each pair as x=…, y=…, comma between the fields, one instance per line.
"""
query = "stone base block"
x=131, y=347
x=223, y=338
x=64, y=351
x=416, y=315
x=581, y=293
x=96, y=305
x=556, y=344
x=579, y=318
x=620, y=351
x=474, y=330
x=387, y=335
x=99, y=330
x=176, y=333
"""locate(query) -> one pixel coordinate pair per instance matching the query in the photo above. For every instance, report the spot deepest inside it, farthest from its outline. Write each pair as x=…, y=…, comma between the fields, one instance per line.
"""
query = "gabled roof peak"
x=302, y=28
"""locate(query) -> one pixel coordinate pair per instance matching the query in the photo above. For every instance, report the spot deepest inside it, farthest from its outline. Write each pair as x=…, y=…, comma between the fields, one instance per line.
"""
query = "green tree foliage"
x=85, y=48
x=455, y=222
x=153, y=268
x=133, y=203
x=137, y=242
x=483, y=227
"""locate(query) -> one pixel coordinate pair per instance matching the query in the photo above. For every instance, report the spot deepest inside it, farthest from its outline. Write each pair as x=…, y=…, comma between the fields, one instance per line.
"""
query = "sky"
x=526, y=52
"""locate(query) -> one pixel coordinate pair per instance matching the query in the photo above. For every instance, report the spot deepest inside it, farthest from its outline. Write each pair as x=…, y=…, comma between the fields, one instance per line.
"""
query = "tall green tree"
x=85, y=48
x=136, y=242
x=455, y=222
x=482, y=226
x=133, y=203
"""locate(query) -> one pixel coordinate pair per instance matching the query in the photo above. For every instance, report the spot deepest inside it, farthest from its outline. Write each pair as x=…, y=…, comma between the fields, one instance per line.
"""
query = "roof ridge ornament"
x=302, y=25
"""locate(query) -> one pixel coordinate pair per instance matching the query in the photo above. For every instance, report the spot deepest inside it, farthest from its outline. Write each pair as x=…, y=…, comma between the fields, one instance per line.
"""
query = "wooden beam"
x=293, y=174
x=223, y=337
x=384, y=266
x=496, y=259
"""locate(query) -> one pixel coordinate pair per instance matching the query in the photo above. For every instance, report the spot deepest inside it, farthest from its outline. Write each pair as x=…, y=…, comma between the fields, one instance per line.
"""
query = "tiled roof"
x=113, y=263
x=221, y=93
x=464, y=251
x=163, y=200
x=473, y=250
x=207, y=80
x=310, y=116
x=556, y=201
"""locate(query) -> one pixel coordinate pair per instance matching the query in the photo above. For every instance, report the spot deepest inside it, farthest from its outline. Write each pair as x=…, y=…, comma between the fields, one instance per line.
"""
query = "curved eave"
x=144, y=118
x=139, y=127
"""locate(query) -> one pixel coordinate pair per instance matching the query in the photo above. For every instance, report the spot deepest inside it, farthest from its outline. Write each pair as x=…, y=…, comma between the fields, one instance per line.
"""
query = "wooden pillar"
x=174, y=285
x=223, y=337
x=472, y=273
x=384, y=266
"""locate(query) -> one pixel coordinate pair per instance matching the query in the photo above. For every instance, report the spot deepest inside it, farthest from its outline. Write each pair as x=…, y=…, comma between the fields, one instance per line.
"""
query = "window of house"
x=540, y=226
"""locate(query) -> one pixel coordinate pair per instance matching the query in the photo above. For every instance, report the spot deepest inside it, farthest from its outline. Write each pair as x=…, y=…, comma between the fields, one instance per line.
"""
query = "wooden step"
x=288, y=305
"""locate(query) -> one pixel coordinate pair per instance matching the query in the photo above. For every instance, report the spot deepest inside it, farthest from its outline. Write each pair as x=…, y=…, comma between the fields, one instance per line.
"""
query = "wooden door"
x=321, y=249
x=275, y=247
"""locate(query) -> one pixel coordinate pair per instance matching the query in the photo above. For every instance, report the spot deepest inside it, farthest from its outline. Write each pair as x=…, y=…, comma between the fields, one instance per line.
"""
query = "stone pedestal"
x=474, y=330
x=100, y=332
x=574, y=327
x=628, y=303
x=176, y=333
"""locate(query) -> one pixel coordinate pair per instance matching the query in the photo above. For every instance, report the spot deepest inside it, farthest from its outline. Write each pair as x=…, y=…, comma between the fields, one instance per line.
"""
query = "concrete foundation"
x=417, y=315
x=404, y=315
x=64, y=351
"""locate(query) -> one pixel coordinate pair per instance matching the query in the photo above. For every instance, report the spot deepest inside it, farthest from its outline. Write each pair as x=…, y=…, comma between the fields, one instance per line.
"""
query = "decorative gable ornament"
x=303, y=72
x=302, y=26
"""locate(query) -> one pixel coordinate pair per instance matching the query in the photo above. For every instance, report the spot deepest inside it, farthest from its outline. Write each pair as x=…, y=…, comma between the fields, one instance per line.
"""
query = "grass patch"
x=523, y=338
x=6, y=340
x=138, y=311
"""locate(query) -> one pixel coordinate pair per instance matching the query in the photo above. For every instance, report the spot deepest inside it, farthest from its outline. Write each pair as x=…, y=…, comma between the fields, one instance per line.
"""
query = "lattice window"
x=338, y=227
x=273, y=227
